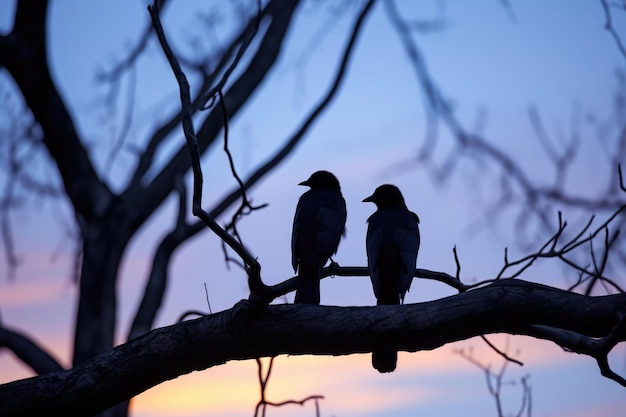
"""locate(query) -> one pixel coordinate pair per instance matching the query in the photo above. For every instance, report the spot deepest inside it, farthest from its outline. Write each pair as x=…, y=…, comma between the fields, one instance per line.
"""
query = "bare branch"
x=499, y=352
x=458, y=264
x=245, y=207
x=263, y=381
x=253, y=267
x=608, y=25
x=206, y=292
x=180, y=234
x=134, y=53
x=126, y=122
x=28, y=351
x=244, y=43
x=160, y=134
x=519, y=307
x=598, y=348
x=495, y=380
x=550, y=249
x=154, y=290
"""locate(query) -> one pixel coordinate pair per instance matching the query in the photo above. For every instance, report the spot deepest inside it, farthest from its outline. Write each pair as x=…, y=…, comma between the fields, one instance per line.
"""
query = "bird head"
x=322, y=180
x=386, y=195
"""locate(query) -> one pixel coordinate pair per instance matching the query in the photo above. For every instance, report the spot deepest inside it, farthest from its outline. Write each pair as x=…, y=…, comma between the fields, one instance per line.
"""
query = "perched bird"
x=318, y=225
x=392, y=243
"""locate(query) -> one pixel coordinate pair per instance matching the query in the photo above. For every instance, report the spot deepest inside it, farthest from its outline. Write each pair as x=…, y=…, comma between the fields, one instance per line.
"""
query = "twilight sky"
x=491, y=62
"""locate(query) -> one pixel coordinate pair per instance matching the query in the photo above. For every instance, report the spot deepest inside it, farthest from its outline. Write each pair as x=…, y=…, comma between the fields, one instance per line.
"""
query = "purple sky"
x=555, y=55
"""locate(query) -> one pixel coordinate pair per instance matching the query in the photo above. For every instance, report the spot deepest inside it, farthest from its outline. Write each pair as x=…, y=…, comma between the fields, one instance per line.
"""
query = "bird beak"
x=304, y=183
x=368, y=199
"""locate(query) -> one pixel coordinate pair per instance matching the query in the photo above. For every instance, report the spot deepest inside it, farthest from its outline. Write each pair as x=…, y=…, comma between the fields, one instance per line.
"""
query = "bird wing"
x=331, y=222
x=303, y=229
x=407, y=238
x=373, y=243
x=294, y=238
x=317, y=227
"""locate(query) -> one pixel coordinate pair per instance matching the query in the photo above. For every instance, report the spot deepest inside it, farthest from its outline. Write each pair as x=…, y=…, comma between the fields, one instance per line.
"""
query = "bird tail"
x=308, y=286
x=384, y=360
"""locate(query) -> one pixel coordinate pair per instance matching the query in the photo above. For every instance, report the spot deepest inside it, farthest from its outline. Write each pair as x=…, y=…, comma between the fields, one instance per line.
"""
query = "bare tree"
x=498, y=380
x=534, y=201
x=103, y=378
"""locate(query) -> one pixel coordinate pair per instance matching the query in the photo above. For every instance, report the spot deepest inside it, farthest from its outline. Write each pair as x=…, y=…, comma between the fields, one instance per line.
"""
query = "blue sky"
x=555, y=55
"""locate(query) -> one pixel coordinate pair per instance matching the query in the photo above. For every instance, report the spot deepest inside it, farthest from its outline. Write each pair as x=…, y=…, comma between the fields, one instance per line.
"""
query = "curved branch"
x=512, y=306
x=334, y=270
x=608, y=25
x=252, y=265
x=147, y=157
x=280, y=13
x=117, y=70
x=597, y=348
x=169, y=244
x=154, y=290
x=24, y=54
x=28, y=351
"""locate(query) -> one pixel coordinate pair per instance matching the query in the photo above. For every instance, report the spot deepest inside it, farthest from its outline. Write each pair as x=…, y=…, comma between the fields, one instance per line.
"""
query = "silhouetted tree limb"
x=596, y=347
x=252, y=265
x=23, y=53
x=30, y=353
x=183, y=230
x=154, y=290
x=258, y=289
x=242, y=332
x=146, y=159
x=610, y=27
x=556, y=247
x=279, y=13
x=496, y=382
x=263, y=402
x=538, y=198
x=124, y=64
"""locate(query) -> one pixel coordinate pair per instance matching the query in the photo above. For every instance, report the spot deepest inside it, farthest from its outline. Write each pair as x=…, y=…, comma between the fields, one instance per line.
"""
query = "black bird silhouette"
x=318, y=225
x=392, y=243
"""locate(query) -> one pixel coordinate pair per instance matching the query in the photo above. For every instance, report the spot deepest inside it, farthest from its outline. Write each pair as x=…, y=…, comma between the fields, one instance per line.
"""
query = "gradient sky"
x=491, y=63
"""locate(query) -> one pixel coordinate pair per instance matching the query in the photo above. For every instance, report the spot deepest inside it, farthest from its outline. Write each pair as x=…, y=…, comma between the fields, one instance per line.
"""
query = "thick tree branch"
x=33, y=355
x=24, y=54
x=507, y=306
x=597, y=348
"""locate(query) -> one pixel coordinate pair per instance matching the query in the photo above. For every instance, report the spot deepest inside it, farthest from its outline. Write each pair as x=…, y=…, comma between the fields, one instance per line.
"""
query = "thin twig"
x=608, y=25
x=458, y=263
x=263, y=381
x=499, y=352
x=245, y=42
x=253, y=267
x=206, y=292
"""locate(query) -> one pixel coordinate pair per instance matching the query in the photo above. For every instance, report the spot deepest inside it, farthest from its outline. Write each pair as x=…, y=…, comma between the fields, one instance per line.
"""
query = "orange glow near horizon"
x=233, y=389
